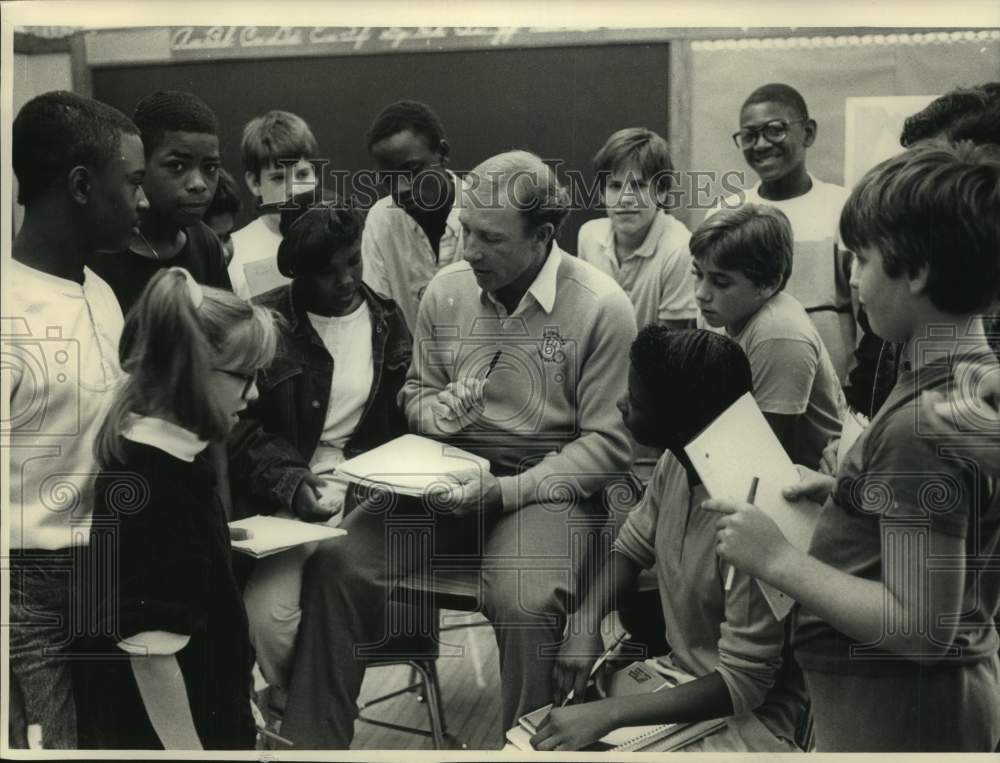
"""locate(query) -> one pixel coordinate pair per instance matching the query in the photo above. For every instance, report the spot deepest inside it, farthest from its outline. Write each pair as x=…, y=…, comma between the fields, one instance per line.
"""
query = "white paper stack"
x=272, y=535
x=412, y=465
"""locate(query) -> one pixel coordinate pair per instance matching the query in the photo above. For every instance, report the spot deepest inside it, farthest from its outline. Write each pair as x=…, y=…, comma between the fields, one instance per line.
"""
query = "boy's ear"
x=444, y=149
x=79, y=182
x=811, y=129
x=918, y=279
x=253, y=182
x=769, y=291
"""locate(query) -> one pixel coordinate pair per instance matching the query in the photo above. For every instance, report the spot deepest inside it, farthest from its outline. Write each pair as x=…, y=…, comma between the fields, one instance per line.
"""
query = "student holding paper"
x=329, y=395
x=727, y=642
x=742, y=262
x=171, y=614
x=895, y=630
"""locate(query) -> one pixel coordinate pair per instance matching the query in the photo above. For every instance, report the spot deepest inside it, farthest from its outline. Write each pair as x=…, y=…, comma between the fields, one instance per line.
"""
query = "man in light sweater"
x=551, y=333
x=79, y=165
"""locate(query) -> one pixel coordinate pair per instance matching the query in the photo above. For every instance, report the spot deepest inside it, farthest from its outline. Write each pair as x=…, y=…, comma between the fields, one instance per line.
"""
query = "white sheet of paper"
x=851, y=428
x=411, y=465
x=738, y=446
x=272, y=535
x=263, y=275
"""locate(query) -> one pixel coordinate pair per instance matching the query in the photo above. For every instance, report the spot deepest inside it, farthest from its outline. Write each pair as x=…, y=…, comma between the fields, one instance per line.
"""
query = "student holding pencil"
x=168, y=664
x=726, y=643
x=895, y=630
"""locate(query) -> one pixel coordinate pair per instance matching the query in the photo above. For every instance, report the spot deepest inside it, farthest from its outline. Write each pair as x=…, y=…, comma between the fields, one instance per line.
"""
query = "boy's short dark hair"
x=754, y=239
x=406, y=115
x=642, y=147
x=778, y=92
x=227, y=197
x=934, y=205
x=57, y=131
x=172, y=111
x=962, y=114
x=315, y=224
x=695, y=374
x=275, y=137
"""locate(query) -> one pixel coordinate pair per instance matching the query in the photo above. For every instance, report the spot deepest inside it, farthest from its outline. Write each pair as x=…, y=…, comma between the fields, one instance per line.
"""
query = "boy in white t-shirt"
x=79, y=165
x=775, y=134
x=277, y=151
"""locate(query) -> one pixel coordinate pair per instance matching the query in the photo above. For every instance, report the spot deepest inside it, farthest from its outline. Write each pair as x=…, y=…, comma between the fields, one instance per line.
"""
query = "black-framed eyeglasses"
x=248, y=380
x=774, y=131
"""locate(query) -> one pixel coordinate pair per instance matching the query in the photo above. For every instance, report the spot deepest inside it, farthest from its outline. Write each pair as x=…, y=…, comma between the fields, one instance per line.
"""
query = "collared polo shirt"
x=656, y=276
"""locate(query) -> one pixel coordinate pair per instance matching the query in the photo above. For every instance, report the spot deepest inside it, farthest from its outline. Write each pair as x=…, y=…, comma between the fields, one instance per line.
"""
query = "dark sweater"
x=161, y=518
x=127, y=273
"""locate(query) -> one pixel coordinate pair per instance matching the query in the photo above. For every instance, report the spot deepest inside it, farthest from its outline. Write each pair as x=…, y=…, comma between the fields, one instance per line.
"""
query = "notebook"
x=637, y=678
x=411, y=465
x=272, y=535
x=738, y=446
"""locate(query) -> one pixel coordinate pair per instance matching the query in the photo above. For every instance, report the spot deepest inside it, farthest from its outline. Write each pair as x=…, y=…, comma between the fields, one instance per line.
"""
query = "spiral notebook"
x=637, y=678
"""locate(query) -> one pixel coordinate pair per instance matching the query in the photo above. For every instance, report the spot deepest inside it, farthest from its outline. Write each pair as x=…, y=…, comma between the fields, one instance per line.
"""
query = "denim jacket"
x=271, y=447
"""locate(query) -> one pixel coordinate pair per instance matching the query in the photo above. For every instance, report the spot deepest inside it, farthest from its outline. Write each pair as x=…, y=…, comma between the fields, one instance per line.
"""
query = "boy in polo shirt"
x=639, y=243
x=413, y=231
x=895, y=626
x=277, y=151
x=79, y=165
x=742, y=261
x=775, y=134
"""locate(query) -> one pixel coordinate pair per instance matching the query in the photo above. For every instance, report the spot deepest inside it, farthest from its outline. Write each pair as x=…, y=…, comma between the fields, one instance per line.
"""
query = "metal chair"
x=452, y=589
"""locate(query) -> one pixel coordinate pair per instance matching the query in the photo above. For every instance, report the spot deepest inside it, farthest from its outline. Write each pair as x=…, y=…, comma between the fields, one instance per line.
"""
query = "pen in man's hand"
x=750, y=499
x=493, y=363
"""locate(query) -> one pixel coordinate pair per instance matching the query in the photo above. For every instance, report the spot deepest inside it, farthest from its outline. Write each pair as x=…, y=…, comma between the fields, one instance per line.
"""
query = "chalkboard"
x=560, y=102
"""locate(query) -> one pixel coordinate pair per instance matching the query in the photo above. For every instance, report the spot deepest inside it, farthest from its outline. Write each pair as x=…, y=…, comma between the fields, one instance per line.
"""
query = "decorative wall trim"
x=849, y=41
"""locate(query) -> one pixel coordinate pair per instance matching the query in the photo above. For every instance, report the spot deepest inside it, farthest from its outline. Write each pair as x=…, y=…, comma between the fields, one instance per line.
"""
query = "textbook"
x=272, y=535
x=637, y=678
x=411, y=465
x=738, y=446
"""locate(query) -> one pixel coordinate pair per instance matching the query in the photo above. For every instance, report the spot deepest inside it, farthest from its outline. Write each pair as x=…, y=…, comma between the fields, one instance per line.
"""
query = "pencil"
x=493, y=363
x=751, y=496
x=600, y=661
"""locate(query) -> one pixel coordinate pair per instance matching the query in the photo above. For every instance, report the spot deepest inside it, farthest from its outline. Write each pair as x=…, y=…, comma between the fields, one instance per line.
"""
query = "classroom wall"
x=558, y=102
x=826, y=71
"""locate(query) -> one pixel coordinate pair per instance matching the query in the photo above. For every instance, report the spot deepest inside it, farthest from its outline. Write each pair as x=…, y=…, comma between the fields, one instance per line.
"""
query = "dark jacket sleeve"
x=266, y=466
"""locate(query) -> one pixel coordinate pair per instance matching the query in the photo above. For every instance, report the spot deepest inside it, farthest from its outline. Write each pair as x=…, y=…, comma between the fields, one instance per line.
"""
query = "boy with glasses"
x=775, y=134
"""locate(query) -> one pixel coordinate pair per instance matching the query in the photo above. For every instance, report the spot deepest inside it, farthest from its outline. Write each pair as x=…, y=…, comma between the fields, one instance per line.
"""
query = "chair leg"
x=428, y=671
